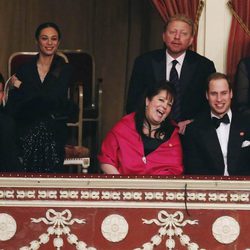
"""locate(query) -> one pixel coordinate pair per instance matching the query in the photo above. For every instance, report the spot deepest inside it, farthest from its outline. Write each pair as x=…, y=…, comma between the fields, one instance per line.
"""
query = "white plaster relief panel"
x=114, y=228
x=170, y=227
x=59, y=225
x=226, y=229
x=8, y=227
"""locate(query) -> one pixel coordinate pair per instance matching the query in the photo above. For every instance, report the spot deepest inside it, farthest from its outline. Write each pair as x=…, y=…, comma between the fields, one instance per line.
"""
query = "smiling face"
x=219, y=96
x=177, y=37
x=48, y=41
x=158, y=108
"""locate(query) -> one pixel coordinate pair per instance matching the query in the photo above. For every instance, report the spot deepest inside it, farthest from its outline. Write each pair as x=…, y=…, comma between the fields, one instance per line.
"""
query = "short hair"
x=182, y=18
x=47, y=25
x=217, y=76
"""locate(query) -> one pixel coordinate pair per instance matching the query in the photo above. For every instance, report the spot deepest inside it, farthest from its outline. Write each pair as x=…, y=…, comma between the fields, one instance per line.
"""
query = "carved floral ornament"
x=114, y=228
x=170, y=225
x=7, y=227
x=226, y=229
x=59, y=225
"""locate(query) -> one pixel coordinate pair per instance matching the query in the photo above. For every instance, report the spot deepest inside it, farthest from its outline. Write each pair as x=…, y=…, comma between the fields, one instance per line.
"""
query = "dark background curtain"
x=114, y=32
x=239, y=38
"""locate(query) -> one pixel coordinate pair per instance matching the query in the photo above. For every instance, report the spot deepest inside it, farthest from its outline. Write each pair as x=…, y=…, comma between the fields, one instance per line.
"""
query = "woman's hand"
x=15, y=81
x=109, y=169
x=182, y=126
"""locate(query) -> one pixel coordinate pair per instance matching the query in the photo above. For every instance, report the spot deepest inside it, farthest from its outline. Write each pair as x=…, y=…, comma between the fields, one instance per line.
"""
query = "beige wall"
x=214, y=31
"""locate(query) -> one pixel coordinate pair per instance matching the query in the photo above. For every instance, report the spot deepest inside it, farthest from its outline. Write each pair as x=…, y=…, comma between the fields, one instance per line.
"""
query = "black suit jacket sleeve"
x=242, y=86
x=148, y=69
x=135, y=86
x=194, y=74
x=141, y=78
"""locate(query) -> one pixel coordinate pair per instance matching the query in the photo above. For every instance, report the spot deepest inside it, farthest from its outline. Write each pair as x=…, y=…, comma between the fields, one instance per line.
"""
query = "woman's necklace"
x=42, y=70
x=151, y=128
x=43, y=67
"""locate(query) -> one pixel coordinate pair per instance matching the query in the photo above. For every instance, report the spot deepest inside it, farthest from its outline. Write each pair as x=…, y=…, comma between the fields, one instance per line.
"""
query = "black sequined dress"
x=41, y=110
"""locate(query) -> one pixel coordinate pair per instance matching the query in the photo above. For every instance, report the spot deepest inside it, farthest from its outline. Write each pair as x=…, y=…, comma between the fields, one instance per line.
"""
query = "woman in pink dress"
x=145, y=142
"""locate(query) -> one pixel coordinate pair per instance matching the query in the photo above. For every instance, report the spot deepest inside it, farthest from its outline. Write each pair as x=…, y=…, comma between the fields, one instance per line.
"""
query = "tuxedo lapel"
x=210, y=140
x=236, y=136
x=159, y=66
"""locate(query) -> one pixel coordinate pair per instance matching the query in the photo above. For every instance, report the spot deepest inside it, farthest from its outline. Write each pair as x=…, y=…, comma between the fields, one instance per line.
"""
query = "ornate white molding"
x=7, y=227
x=226, y=229
x=196, y=196
x=47, y=194
x=170, y=225
x=90, y=195
x=109, y=195
x=59, y=225
x=69, y=194
x=244, y=197
x=222, y=197
x=203, y=199
x=137, y=196
x=154, y=191
x=7, y=194
x=114, y=228
x=21, y=194
x=154, y=196
x=173, y=196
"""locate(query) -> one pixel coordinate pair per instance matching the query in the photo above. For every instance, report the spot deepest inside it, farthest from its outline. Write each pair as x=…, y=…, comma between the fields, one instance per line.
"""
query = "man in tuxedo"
x=218, y=141
x=191, y=71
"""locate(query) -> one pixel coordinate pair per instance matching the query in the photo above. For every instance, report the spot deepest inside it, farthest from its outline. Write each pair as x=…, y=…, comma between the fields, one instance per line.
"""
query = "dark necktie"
x=218, y=121
x=174, y=78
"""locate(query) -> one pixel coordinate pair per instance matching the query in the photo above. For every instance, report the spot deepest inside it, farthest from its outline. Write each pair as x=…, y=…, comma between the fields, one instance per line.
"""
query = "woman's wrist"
x=17, y=83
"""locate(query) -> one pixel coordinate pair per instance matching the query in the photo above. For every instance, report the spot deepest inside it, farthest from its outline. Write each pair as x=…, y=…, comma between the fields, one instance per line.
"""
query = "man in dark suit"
x=9, y=161
x=192, y=69
x=218, y=141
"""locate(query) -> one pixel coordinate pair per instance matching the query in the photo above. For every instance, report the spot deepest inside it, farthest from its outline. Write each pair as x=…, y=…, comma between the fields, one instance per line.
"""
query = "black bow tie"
x=217, y=121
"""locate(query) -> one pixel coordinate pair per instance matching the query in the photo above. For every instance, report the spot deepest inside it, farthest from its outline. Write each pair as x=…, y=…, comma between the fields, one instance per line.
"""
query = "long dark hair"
x=140, y=116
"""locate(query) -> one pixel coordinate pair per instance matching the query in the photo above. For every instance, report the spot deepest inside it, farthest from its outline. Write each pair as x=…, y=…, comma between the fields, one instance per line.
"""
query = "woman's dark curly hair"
x=140, y=116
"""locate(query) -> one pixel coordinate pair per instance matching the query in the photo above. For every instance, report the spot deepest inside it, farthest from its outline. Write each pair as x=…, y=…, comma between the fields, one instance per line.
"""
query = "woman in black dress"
x=39, y=104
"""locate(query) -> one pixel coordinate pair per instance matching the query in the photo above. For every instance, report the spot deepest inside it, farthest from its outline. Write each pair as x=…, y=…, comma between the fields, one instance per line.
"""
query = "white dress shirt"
x=169, y=64
x=223, y=136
